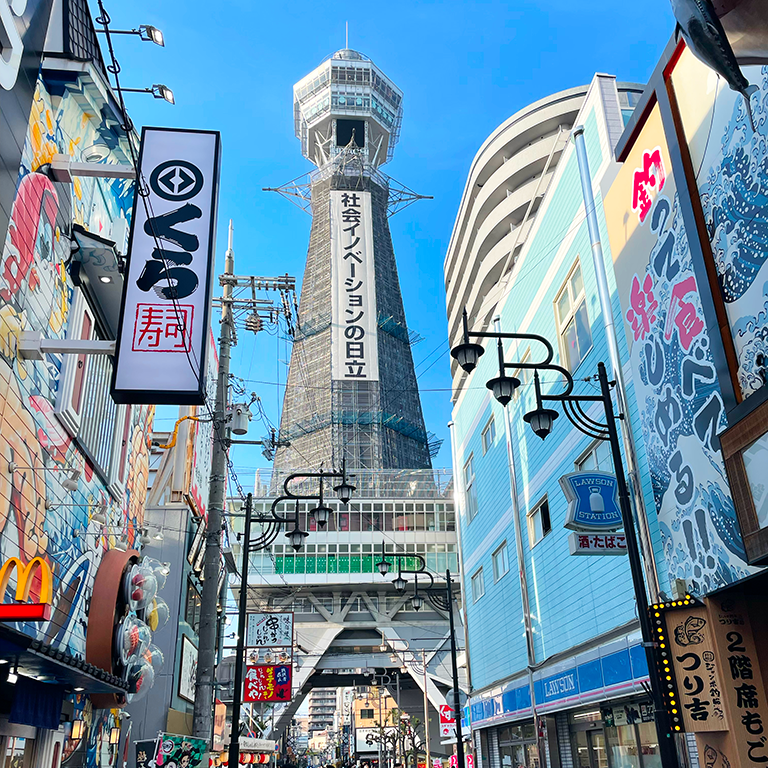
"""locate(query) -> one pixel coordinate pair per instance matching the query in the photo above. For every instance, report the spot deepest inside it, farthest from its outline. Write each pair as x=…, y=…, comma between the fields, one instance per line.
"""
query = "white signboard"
x=257, y=745
x=367, y=739
x=164, y=320
x=354, y=321
x=269, y=630
x=597, y=544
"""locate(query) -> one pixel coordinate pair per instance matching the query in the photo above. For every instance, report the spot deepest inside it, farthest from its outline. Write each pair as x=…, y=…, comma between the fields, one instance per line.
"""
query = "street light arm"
x=519, y=337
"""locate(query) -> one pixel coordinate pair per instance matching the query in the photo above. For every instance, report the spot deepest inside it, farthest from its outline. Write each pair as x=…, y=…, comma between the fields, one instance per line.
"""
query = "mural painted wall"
x=38, y=516
x=731, y=165
x=681, y=408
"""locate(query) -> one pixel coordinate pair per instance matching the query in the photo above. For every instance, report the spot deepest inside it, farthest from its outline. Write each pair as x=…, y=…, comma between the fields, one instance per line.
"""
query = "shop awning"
x=40, y=661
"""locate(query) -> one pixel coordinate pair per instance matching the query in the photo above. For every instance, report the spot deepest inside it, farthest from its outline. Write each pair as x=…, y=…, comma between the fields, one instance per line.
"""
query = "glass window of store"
x=620, y=736
x=15, y=747
x=517, y=746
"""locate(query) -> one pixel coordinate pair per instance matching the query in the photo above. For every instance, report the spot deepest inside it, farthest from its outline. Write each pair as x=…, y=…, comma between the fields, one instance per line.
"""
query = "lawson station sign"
x=594, y=513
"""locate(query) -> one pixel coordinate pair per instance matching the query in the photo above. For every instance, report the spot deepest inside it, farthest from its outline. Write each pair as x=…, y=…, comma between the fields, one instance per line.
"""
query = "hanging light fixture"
x=77, y=730
x=417, y=601
x=467, y=353
x=144, y=537
x=321, y=513
x=344, y=489
x=70, y=483
x=399, y=583
x=296, y=537
x=114, y=735
x=383, y=565
x=503, y=387
x=540, y=418
x=100, y=515
x=122, y=543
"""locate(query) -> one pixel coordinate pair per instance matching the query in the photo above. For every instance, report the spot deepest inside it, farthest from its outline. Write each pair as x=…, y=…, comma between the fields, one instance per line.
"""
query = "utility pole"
x=202, y=723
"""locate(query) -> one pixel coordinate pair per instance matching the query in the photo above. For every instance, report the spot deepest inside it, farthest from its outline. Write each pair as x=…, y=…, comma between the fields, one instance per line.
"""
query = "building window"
x=539, y=524
x=573, y=320
x=500, y=565
x=745, y=451
x=478, y=585
x=597, y=457
x=84, y=405
x=488, y=435
x=366, y=714
x=470, y=492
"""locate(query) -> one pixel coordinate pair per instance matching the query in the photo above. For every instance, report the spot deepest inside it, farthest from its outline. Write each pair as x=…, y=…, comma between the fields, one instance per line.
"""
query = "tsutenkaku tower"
x=351, y=390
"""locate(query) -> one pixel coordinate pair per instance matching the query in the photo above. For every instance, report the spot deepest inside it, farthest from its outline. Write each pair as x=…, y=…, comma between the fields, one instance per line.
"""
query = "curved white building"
x=507, y=182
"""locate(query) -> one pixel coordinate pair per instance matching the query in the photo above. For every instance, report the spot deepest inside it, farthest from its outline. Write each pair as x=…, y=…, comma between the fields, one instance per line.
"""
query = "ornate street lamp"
x=542, y=420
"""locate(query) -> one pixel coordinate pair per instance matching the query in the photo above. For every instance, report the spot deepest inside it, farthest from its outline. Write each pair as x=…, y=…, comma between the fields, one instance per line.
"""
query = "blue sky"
x=464, y=68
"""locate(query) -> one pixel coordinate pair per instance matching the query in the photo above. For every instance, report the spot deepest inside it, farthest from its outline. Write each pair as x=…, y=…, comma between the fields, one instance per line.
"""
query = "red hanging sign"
x=267, y=682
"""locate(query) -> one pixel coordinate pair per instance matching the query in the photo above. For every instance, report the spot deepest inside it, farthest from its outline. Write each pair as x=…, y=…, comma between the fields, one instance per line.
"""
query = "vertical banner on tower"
x=164, y=319
x=354, y=322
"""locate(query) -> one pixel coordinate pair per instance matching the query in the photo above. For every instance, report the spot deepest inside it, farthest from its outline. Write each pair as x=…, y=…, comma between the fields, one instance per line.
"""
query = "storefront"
x=615, y=735
x=591, y=712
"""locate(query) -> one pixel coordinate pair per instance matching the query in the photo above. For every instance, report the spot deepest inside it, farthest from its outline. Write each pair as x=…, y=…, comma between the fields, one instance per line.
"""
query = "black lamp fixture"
x=467, y=353
x=321, y=513
x=540, y=418
x=503, y=387
x=296, y=537
x=417, y=601
x=383, y=564
x=344, y=489
x=399, y=583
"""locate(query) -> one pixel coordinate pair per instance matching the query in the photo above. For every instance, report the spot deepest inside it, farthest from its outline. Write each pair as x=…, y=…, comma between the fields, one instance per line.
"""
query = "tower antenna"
x=346, y=35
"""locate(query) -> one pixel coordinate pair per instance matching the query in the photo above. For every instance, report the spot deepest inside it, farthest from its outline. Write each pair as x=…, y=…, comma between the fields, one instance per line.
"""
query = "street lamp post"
x=541, y=419
x=443, y=600
x=273, y=524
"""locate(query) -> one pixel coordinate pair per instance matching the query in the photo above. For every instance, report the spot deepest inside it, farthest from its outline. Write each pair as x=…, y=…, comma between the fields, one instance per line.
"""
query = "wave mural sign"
x=680, y=405
x=731, y=165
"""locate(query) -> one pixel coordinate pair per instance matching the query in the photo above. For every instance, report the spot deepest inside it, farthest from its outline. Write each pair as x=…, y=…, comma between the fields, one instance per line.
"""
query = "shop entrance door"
x=590, y=749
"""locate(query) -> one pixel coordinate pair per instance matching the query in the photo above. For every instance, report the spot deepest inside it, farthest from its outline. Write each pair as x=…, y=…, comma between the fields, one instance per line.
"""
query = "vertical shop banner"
x=164, y=321
x=731, y=165
x=447, y=721
x=145, y=753
x=680, y=408
x=269, y=630
x=697, y=670
x=23, y=26
x=744, y=695
x=266, y=682
x=354, y=321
